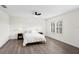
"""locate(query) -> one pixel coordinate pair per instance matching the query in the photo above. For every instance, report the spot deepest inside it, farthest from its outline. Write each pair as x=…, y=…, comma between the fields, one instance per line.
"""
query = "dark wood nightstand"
x=20, y=36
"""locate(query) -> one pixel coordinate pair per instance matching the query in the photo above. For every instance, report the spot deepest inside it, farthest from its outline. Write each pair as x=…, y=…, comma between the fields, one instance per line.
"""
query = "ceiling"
x=46, y=10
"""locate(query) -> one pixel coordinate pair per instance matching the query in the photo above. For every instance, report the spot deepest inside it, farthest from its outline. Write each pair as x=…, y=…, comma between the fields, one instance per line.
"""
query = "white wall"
x=4, y=28
x=25, y=23
x=70, y=33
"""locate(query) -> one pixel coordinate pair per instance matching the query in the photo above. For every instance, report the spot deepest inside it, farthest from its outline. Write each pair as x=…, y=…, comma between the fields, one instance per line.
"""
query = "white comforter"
x=33, y=37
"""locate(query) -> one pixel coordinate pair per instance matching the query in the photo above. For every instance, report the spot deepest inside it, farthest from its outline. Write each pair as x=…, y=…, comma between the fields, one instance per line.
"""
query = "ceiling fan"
x=36, y=13
x=4, y=6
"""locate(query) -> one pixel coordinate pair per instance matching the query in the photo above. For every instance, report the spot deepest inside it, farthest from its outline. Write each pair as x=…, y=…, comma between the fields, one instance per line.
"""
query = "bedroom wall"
x=22, y=23
x=70, y=33
x=4, y=28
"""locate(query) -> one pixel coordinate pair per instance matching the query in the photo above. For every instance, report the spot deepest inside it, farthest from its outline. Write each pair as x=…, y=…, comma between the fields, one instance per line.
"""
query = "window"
x=59, y=27
x=53, y=27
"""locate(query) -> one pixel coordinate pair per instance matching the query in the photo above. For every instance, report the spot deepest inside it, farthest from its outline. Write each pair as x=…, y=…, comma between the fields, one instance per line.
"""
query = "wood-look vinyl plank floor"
x=52, y=46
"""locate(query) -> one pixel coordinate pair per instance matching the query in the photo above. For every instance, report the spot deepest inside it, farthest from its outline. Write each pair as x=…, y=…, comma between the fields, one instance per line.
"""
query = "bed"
x=32, y=37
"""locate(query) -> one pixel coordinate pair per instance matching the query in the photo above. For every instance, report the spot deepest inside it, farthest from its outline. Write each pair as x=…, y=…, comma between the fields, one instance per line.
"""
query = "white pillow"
x=34, y=32
x=29, y=31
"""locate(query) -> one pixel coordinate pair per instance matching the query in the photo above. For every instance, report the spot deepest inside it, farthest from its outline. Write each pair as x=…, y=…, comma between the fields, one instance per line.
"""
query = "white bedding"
x=33, y=37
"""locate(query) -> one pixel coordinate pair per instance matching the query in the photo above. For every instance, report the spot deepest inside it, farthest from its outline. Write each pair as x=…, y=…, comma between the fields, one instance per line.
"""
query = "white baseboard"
x=65, y=42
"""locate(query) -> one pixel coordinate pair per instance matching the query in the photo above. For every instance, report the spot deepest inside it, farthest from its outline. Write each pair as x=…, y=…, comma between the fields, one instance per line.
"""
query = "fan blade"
x=4, y=6
x=39, y=13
